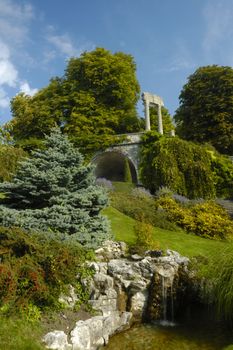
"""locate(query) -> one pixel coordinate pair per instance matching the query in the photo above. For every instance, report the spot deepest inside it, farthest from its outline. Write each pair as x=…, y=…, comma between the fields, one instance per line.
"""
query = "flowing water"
x=195, y=328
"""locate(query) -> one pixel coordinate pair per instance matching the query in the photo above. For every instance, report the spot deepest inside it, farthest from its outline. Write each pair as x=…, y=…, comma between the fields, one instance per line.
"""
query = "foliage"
x=222, y=168
x=9, y=159
x=206, y=219
x=206, y=108
x=186, y=244
x=18, y=334
x=137, y=206
x=141, y=192
x=96, y=96
x=101, y=181
x=35, y=270
x=219, y=286
x=167, y=120
x=127, y=172
x=182, y=166
x=54, y=191
x=144, y=237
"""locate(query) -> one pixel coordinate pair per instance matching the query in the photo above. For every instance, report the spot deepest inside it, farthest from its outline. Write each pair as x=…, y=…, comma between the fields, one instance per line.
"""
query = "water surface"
x=197, y=336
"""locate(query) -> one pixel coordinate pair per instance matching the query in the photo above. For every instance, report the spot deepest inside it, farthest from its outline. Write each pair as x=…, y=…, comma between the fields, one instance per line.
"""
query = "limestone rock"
x=70, y=299
x=111, y=250
x=56, y=340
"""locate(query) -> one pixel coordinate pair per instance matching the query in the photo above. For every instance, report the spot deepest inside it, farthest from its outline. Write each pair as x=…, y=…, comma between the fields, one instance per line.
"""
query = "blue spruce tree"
x=55, y=192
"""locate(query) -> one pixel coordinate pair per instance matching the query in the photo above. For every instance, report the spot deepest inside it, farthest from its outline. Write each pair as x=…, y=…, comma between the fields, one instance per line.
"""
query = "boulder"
x=56, y=340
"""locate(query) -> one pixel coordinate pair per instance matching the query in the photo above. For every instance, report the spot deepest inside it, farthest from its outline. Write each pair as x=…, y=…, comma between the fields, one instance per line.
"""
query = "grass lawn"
x=185, y=244
x=15, y=334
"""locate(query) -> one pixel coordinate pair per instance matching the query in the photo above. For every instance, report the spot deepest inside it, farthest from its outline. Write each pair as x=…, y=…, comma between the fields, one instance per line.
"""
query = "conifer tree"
x=53, y=191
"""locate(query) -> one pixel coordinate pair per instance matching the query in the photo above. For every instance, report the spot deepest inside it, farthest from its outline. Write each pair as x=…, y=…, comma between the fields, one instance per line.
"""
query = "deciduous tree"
x=206, y=108
x=94, y=100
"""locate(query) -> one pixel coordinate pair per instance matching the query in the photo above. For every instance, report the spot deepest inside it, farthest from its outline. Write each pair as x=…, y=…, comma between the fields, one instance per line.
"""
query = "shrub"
x=141, y=192
x=212, y=221
x=127, y=172
x=144, y=237
x=139, y=205
x=182, y=166
x=101, y=181
x=219, y=282
x=34, y=270
x=178, y=214
x=206, y=219
x=222, y=168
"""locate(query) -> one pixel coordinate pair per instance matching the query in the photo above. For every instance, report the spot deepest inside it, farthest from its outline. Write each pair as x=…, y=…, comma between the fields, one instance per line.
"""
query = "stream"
x=196, y=332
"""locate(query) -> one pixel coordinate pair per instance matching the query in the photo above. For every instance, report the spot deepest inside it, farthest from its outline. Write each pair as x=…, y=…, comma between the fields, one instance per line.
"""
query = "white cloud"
x=4, y=99
x=8, y=73
x=64, y=44
x=25, y=87
x=218, y=17
x=14, y=19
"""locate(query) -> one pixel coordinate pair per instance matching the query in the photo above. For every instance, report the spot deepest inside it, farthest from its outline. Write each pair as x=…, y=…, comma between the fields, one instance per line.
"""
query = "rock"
x=112, y=250
x=81, y=337
x=136, y=257
x=138, y=304
x=122, y=291
x=56, y=340
x=70, y=299
x=95, y=332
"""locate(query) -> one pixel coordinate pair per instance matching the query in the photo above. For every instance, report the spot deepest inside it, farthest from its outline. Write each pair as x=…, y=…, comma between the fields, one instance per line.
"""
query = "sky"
x=169, y=40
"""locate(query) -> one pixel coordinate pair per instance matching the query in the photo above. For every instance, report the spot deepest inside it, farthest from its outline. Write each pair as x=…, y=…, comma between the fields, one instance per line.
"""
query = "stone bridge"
x=110, y=164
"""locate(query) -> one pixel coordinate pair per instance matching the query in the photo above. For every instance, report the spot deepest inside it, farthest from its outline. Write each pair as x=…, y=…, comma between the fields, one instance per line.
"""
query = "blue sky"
x=168, y=39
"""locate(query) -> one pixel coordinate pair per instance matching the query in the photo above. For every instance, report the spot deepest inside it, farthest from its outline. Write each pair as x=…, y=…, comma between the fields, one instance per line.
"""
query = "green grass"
x=185, y=244
x=15, y=334
x=125, y=187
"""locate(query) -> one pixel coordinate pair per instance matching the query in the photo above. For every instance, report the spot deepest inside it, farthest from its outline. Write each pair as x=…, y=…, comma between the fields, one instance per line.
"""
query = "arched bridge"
x=110, y=164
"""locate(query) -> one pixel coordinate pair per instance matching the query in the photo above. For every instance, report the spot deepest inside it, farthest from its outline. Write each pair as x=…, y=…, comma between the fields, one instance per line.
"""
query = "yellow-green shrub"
x=212, y=221
x=180, y=215
x=206, y=219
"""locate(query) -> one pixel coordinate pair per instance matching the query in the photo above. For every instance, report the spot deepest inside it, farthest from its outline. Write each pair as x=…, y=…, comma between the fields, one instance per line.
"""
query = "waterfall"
x=167, y=301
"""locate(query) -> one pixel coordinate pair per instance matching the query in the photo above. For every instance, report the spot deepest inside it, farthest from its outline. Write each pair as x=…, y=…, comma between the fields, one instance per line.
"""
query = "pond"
x=199, y=332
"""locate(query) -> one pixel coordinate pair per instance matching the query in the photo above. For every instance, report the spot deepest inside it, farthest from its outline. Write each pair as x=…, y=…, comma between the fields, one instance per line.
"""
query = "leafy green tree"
x=54, y=191
x=206, y=108
x=167, y=120
x=96, y=96
x=10, y=158
x=182, y=166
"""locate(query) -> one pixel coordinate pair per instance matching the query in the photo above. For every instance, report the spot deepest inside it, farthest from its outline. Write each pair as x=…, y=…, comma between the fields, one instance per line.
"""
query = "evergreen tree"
x=54, y=191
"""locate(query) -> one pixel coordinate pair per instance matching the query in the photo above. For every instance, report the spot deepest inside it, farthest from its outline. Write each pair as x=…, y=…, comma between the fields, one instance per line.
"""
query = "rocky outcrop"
x=124, y=289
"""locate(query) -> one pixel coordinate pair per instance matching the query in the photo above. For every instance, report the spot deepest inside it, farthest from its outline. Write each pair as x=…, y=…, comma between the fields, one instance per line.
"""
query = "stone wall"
x=124, y=289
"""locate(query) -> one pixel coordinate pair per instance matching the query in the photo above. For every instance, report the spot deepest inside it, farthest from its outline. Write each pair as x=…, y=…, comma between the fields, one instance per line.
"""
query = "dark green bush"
x=182, y=166
x=222, y=168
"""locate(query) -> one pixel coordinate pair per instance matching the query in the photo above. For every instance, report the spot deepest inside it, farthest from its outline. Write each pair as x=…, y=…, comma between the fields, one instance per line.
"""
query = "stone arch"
x=110, y=165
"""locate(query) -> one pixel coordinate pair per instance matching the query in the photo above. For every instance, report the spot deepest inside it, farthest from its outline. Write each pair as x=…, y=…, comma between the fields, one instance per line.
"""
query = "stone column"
x=160, y=120
x=147, y=114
